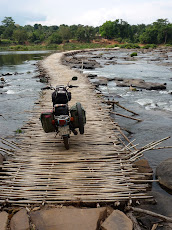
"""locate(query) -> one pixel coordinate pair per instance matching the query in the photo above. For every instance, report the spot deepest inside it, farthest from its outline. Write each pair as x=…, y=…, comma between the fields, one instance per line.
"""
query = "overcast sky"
x=85, y=12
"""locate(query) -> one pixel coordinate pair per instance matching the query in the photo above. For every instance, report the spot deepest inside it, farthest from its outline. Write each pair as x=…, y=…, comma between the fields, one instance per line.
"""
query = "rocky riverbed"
x=113, y=81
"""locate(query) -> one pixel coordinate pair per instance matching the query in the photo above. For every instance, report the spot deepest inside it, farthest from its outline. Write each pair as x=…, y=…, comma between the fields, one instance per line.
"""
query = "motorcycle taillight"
x=62, y=122
x=53, y=122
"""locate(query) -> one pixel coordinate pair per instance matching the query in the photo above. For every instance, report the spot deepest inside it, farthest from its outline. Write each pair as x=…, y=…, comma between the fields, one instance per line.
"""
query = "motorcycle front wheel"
x=66, y=142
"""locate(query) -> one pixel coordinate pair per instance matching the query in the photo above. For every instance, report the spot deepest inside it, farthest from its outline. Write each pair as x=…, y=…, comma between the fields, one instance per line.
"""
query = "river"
x=153, y=106
x=20, y=90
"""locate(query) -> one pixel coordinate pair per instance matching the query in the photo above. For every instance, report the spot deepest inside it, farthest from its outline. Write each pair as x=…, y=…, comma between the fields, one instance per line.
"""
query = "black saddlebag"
x=61, y=109
x=46, y=120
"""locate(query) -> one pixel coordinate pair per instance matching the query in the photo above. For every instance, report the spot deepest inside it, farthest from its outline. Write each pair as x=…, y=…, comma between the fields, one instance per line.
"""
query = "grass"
x=18, y=131
x=29, y=47
x=70, y=46
x=80, y=46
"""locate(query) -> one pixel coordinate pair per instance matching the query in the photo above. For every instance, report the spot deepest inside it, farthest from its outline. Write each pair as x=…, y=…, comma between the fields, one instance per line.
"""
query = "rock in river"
x=139, y=83
x=164, y=173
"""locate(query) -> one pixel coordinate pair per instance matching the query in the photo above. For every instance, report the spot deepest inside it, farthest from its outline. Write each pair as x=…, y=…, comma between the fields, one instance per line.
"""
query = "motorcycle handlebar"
x=53, y=88
x=73, y=86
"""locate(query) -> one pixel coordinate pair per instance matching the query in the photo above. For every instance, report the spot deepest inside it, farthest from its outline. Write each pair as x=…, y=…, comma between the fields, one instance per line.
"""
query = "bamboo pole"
x=126, y=138
x=164, y=147
x=154, y=227
x=147, y=212
x=132, y=118
x=9, y=153
x=117, y=103
x=150, y=146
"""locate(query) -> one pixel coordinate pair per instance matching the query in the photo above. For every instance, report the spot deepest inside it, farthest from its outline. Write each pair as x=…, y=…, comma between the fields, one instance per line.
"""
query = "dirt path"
x=94, y=169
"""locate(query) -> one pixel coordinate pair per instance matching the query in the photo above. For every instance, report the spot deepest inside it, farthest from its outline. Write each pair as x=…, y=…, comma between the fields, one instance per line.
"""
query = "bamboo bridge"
x=96, y=168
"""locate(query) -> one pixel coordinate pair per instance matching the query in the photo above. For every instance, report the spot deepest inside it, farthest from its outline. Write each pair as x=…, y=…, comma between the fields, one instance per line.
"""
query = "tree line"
x=159, y=32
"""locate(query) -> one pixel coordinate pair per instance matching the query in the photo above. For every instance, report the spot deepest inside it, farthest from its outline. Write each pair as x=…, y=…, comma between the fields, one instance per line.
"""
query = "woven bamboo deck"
x=94, y=169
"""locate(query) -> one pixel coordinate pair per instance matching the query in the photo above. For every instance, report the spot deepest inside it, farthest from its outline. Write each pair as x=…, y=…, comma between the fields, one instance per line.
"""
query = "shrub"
x=19, y=131
x=129, y=46
x=133, y=54
x=5, y=42
x=153, y=46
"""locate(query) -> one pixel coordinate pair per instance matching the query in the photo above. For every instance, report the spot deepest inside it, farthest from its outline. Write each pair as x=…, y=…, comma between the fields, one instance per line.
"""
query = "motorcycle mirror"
x=74, y=78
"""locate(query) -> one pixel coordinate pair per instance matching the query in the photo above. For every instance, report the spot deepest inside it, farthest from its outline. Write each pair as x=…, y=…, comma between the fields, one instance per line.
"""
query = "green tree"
x=1, y=30
x=55, y=38
x=163, y=27
x=107, y=30
x=85, y=33
x=64, y=32
x=158, y=32
x=9, y=26
x=8, y=21
x=149, y=36
x=116, y=29
x=20, y=36
x=73, y=30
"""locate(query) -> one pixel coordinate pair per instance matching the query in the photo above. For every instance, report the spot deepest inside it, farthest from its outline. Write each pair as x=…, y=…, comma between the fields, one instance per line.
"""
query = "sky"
x=86, y=12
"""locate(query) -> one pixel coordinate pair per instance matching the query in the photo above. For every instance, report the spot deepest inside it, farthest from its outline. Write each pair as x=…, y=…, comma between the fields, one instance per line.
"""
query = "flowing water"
x=20, y=90
x=153, y=106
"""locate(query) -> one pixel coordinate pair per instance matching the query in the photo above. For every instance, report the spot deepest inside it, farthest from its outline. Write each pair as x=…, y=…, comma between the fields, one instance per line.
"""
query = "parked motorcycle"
x=62, y=119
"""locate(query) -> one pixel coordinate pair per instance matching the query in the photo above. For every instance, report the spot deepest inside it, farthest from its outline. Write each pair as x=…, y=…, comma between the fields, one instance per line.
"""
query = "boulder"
x=67, y=218
x=139, y=83
x=92, y=76
x=111, y=63
x=143, y=167
x=2, y=79
x=20, y=221
x=102, y=80
x=117, y=221
x=81, y=62
x=3, y=220
x=7, y=74
x=99, y=81
x=164, y=173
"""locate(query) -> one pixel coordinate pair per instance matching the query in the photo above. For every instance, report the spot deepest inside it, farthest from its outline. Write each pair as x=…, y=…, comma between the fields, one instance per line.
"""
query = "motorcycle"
x=61, y=119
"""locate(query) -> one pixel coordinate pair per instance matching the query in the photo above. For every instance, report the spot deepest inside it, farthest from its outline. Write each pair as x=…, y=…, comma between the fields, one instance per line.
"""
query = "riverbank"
x=60, y=48
x=105, y=43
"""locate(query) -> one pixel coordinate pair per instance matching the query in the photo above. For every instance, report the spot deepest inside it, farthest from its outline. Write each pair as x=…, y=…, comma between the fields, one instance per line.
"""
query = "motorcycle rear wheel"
x=80, y=118
x=66, y=142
